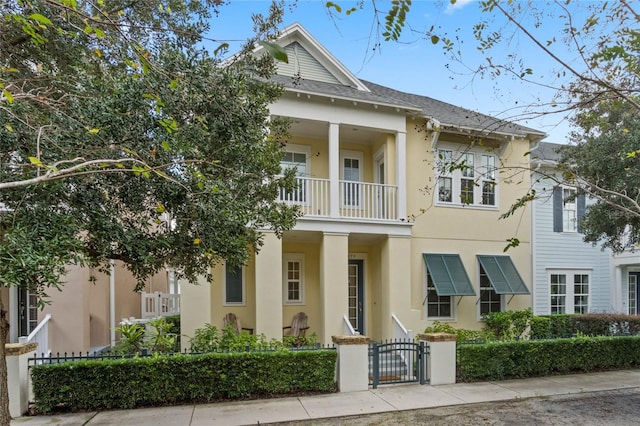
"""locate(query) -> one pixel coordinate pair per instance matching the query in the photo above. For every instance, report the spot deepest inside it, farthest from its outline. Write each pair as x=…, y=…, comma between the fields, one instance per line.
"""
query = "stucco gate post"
x=18, y=355
x=353, y=363
x=441, y=358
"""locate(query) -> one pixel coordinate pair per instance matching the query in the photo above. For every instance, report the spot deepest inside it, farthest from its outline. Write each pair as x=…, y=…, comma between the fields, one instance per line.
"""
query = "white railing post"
x=39, y=335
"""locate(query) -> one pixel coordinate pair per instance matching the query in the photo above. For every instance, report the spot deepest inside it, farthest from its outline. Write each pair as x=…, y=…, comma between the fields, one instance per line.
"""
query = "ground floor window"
x=293, y=282
x=633, y=294
x=437, y=306
x=569, y=292
x=233, y=286
x=490, y=301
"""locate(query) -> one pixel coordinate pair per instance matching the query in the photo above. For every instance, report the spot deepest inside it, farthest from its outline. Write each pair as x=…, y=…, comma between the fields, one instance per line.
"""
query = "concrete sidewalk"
x=383, y=399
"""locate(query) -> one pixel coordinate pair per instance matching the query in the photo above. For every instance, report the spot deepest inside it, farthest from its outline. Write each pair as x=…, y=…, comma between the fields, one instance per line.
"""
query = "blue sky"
x=414, y=65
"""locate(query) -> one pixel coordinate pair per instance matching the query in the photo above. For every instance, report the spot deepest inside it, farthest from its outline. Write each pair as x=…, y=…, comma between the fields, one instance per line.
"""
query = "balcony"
x=355, y=200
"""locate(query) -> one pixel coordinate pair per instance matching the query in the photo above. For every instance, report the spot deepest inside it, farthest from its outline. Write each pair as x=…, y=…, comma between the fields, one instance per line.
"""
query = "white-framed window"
x=569, y=292
x=569, y=210
x=466, y=178
x=490, y=301
x=351, y=164
x=438, y=307
x=633, y=294
x=234, y=291
x=298, y=157
x=293, y=279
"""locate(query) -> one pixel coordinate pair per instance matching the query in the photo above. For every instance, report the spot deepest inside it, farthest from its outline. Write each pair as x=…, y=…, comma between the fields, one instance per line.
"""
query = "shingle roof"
x=446, y=114
x=546, y=152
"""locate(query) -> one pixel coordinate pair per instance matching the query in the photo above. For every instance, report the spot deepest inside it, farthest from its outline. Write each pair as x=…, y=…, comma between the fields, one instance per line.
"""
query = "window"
x=490, y=301
x=351, y=177
x=296, y=156
x=569, y=292
x=443, y=163
x=467, y=179
x=633, y=294
x=293, y=280
x=233, y=286
x=488, y=180
x=568, y=209
x=437, y=306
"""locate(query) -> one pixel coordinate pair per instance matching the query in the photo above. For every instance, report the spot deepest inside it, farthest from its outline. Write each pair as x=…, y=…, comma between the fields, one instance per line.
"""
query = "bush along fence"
x=164, y=380
x=531, y=358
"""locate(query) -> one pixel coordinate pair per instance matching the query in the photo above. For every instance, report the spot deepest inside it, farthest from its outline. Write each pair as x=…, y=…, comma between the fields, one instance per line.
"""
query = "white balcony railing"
x=159, y=304
x=40, y=335
x=356, y=199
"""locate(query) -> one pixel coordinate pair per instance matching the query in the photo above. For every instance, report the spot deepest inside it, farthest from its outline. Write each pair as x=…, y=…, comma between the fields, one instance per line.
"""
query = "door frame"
x=637, y=275
x=361, y=259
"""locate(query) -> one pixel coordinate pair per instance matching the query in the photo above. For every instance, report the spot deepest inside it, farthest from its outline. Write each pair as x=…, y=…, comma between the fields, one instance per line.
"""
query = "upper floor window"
x=296, y=156
x=468, y=178
x=233, y=286
x=568, y=209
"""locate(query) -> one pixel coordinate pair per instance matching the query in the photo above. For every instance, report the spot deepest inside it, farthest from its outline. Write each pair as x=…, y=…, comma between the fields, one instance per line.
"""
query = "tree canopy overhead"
x=123, y=138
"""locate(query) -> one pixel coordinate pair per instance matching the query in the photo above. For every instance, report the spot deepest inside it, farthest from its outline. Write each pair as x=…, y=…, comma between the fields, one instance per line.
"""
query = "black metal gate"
x=397, y=361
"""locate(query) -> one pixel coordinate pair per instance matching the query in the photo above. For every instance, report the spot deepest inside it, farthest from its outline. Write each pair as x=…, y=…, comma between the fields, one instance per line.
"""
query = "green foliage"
x=508, y=325
x=165, y=380
x=532, y=358
x=132, y=338
x=540, y=328
x=161, y=338
x=211, y=339
x=463, y=335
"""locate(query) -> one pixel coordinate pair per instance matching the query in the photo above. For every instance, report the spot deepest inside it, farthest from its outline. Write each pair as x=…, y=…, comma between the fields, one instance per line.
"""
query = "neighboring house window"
x=296, y=156
x=468, y=180
x=490, y=301
x=569, y=292
x=437, y=306
x=568, y=209
x=293, y=282
x=233, y=286
x=633, y=294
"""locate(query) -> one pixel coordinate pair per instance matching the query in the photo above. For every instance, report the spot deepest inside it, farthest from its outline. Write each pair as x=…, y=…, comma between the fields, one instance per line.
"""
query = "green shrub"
x=462, y=334
x=164, y=379
x=508, y=325
x=530, y=358
x=211, y=339
x=540, y=328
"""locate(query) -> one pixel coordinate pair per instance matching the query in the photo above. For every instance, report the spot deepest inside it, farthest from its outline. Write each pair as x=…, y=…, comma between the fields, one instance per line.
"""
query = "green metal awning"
x=503, y=275
x=448, y=275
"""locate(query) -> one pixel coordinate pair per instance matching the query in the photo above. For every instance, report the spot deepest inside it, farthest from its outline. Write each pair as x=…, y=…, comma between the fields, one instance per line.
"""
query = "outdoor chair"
x=298, y=325
x=233, y=319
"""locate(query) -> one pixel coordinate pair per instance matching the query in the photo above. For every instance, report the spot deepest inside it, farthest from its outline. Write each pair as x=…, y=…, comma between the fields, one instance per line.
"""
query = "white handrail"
x=40, y=335
x=399, y=330
x=348, y=328
x=159, y=304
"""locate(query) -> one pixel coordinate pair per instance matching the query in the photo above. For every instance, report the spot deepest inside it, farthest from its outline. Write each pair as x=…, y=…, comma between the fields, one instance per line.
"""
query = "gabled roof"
x=545, y=152
x=313, y=70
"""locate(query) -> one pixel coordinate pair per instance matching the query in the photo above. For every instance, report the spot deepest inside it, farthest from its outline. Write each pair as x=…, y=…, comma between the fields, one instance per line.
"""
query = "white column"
x=353, y=363
x=196, y=302
x=334, y=170
x=334, y=280
x=401, y=173
x=18, y=355
x=269, y=287
x=441, y=361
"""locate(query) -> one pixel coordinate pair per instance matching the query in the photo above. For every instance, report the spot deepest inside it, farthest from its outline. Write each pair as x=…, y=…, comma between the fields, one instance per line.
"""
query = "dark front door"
x=356, y=305
x=27, y=312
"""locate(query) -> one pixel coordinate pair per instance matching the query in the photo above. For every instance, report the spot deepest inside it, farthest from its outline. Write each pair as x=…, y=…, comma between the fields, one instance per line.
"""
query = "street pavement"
x=337, y=405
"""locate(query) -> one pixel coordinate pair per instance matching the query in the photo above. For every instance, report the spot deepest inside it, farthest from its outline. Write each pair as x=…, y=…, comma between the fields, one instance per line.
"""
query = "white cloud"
x=459, y=4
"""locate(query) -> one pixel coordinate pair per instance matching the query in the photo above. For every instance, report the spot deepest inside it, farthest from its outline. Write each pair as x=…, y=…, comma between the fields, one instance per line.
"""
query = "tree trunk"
x=5, y=418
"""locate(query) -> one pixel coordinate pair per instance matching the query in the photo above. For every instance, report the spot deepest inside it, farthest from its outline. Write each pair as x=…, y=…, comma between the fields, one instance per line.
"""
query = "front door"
x=634, y=294
x=380, y=190
x=27, y=312
x=356, y=305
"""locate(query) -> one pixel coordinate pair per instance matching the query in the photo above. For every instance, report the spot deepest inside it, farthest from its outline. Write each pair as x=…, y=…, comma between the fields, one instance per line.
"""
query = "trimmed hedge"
x=532, y=358
x=165, y=380
x=567, y=325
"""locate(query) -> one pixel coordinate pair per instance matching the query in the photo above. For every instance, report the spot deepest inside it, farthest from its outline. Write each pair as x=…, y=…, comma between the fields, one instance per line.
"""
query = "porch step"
x=391, y=365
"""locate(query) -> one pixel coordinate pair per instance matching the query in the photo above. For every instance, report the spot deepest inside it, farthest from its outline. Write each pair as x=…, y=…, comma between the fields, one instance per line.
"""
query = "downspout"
x=112, y=301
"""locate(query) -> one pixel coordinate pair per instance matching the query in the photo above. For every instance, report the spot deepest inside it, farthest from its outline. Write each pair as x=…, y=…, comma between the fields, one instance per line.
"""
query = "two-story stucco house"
x=392, y=235
x=569, y=275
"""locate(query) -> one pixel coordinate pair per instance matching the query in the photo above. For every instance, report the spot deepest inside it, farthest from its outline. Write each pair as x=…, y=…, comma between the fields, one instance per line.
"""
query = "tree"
x=595, y=83
x=123, y=138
